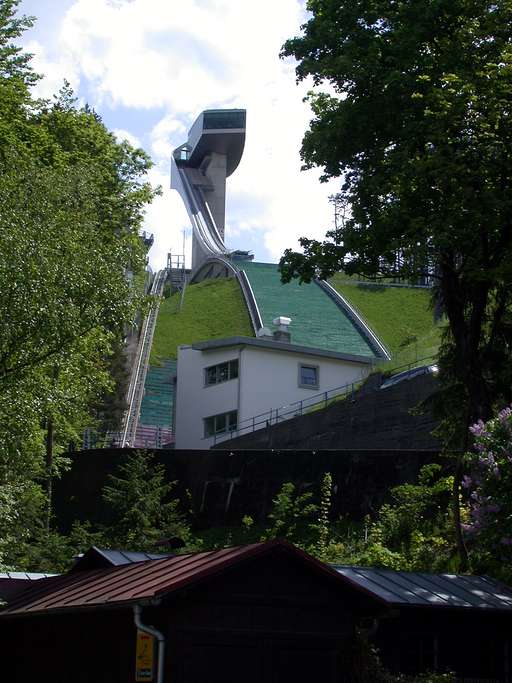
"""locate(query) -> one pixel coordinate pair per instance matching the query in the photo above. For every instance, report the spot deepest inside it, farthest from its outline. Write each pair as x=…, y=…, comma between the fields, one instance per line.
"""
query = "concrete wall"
x=216, y=197
x=268, y=379
x=225, y=485
x=373, y=418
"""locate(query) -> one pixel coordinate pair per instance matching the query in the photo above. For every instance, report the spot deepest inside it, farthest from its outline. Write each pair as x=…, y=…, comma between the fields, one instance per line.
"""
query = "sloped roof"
x=406, y=589
x=101, y=558
x=25, y=576
x=14, y=583
x=273, y=345
x=141, y=581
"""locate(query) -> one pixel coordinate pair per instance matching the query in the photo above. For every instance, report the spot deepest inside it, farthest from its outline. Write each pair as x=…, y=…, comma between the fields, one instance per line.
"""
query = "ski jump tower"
x=199, y=168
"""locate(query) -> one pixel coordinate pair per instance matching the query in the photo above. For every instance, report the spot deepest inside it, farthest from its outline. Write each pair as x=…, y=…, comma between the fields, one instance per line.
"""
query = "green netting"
x=158, y=401
x=316, y=320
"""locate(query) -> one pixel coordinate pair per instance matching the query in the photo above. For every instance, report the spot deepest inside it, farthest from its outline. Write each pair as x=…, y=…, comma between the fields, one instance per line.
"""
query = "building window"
x=220, y=424
x=222, y=372
x=308, y=376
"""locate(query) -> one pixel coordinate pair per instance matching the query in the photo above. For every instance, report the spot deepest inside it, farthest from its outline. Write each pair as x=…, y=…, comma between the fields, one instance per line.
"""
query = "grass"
x=401, y=316
x=212, y=309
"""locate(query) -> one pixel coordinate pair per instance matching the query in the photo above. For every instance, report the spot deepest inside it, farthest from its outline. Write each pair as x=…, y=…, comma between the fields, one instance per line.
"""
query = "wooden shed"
x=441, y=622
x=263, y=612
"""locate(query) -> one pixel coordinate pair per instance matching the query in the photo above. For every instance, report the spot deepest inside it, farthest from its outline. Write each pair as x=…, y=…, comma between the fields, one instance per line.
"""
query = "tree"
x=16, y=76
x=418, y=127
x=144, y=505
x=489, y=524
x=72, y=201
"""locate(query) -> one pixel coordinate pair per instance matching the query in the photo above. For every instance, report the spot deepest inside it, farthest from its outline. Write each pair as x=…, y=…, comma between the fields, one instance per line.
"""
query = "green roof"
x=316, y=319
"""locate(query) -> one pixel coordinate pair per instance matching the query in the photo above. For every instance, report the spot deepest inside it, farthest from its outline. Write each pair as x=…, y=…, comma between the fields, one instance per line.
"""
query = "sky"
x=149, y=67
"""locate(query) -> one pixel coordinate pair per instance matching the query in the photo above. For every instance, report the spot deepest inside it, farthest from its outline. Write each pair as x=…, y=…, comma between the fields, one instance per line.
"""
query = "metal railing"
x=147, y=436
x=357, y=319
x=138, y=378
x=318, y=401
x=250, y=301
x=274, y=416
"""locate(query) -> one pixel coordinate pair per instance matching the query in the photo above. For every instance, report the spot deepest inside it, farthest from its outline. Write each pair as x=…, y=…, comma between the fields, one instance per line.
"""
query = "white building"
x=227, y=387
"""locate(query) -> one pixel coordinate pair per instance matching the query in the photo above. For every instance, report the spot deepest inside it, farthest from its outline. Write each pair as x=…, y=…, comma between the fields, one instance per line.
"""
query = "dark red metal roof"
x=140, y=582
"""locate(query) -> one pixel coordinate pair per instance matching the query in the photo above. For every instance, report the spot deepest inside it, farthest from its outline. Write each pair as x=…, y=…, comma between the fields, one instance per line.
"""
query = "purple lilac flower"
x=504, y=415
x=478, y=429
x=506, y=540
x=467, y=482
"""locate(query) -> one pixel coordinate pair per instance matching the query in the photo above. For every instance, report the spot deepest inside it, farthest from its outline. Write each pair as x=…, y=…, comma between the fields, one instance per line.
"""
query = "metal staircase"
x=177, y=276
x=138, y=378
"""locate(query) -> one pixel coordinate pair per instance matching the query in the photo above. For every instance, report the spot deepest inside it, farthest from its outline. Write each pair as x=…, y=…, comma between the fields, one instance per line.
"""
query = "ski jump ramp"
x=199, y=170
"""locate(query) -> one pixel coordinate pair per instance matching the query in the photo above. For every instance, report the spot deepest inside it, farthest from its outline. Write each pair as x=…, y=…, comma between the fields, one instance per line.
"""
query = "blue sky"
x=149, y=67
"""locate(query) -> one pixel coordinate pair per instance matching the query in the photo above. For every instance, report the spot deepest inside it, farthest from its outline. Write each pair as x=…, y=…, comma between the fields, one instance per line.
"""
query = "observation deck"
x=199, y=169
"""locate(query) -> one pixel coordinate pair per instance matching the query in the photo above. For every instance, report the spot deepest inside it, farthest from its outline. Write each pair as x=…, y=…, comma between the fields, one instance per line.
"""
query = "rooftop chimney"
x=282, y=334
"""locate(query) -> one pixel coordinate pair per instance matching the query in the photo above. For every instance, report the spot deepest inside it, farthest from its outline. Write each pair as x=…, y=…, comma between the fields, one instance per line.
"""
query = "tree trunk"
x=459, y=537
x=49, y=470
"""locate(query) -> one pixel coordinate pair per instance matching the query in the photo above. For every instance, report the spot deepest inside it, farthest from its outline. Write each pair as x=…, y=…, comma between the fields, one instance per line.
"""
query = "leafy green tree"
x=302, y=518
x=414, y=530
x=418, y=128
x=144, y=506
x=291, y=511
x=16, y=77
x=72, y=201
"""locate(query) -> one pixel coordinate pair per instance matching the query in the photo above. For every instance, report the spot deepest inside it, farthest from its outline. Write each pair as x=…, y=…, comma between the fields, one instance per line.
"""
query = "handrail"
x=409, y=366
x=147, y=436
x=136, y=388
x=297, y=408
x=182, y=293
x=200, y=215
x=371, y=338
x=250, y=301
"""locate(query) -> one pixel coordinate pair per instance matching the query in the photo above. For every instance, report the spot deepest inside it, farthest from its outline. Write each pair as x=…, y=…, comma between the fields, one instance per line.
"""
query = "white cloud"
x=179, y=58
x=122, y=135
x=168, y=133
x=54, y=71
x=167, y=220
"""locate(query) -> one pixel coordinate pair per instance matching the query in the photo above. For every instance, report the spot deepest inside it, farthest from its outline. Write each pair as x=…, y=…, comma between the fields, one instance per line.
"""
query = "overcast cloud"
x=149, y=67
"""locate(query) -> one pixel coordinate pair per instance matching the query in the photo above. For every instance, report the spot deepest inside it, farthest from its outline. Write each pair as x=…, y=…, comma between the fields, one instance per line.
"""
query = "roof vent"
x=282, y=334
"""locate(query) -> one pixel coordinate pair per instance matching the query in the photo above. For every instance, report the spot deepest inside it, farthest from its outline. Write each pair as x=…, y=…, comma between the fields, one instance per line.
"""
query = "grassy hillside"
x=400, y=316
x=212, y=310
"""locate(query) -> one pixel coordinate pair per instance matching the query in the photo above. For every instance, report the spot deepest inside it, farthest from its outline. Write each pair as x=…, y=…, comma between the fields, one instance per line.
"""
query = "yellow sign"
x=144, y=657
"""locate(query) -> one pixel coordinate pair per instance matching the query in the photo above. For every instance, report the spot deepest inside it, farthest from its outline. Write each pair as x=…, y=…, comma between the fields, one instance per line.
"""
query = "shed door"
x=228, y=661
x=252, y=659
x=303, y=662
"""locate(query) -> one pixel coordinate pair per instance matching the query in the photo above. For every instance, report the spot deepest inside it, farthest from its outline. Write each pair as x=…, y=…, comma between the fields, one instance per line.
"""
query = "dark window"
x=220, y=424
x=223, y=120
x=221, y=372
x=233, y=369
x=308, y=376
x=211, y=375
